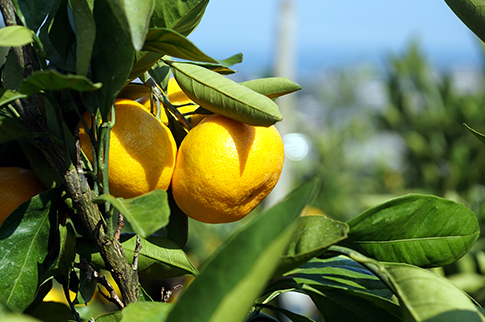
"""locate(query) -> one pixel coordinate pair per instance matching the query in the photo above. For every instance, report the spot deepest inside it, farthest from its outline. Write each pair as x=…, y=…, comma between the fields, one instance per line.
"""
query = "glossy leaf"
x=239, y=269
x=169, y=42
x=134, y=16
x=415, y=229
x=51, y=80
x=221, y=95
x=471, y=13
x=146, y=213
x=339, y=285
x=339, y=273
x=345, y=306
x=13, y=36
x=33, y=12
x=146, y=312
x=290, y=315
x=313, y=235
x=429, y=297
x=159, y=256
x=272, y=87
x=109, y=69
x=85, y=29
x=180, y=15
x=24, y=244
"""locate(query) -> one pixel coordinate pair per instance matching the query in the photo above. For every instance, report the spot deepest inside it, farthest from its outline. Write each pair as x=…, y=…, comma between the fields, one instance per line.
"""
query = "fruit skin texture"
x=142, y=151
x=17, y=185
x=225, y=169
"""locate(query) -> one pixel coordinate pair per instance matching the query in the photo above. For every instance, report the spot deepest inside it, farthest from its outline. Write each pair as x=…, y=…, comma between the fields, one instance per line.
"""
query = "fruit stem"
x=160, y=96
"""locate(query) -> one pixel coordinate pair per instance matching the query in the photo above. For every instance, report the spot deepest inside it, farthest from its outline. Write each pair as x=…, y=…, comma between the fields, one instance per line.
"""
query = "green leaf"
x=33, y=12
x=221, y=95
x=234, y=59
x=144, y=60
x=51, y=80
x=178, y=227
x=429, y=297
x=134, y=16
x=345, y=306
x=24, y=245
x=14, y=36
x=146, y=312
x=112, y=56
x=182, y=16
x=477, y=134
x=85, y=28
x=337, y=273
x=159, y=256
x=110, y=317
x=272, y=87
x=67, y=251
x=11, y=317
x=240, y=268
x=471, y=13
x=8, y=96
x=312, y=237
x=146, y=213
x=416, y=229
x=169, y=42
x=61, y=34
x=290, y=315
x=11, y=74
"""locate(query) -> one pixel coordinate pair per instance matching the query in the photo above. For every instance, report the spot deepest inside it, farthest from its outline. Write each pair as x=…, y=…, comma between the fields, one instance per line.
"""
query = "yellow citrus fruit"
x=142, y=151
x=225, y=169
x=17, y=185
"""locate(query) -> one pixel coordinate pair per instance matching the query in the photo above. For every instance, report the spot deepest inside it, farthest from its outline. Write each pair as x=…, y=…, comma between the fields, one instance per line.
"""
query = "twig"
x=119, y=227
x=167, y=294
x=92, y=273
x=136, y=253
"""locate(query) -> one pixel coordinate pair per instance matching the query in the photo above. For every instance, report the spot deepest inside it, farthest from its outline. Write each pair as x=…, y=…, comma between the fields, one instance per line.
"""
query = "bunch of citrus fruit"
x=222, y=170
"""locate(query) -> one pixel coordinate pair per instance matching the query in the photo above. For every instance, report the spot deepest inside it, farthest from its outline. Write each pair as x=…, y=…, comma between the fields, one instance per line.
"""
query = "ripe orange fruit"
x=142, y=151
x=17, y=185
x=225, y=169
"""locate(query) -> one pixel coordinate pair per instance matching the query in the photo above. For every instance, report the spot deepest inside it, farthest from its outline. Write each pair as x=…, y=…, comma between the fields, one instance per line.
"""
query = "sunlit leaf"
x=13, y=36
x=221, y=95
x=110, y=317
x=169, y=42
x=8, y=96
x=146, y=312
x=24, y=245
x=272, y=87
x=429, y=297
x=415, y=229
x=313, y=235
x=146, y=213
x=180, y=15
x=159, y=256
x=239, y=269
x=134, y=16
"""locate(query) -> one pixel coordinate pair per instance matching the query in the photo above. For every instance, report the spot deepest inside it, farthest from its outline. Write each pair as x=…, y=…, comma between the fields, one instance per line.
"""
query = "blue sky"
x=335, y=33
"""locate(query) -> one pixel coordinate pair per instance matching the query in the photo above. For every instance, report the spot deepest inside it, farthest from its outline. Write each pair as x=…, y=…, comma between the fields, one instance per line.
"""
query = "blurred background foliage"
x=377, y=133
